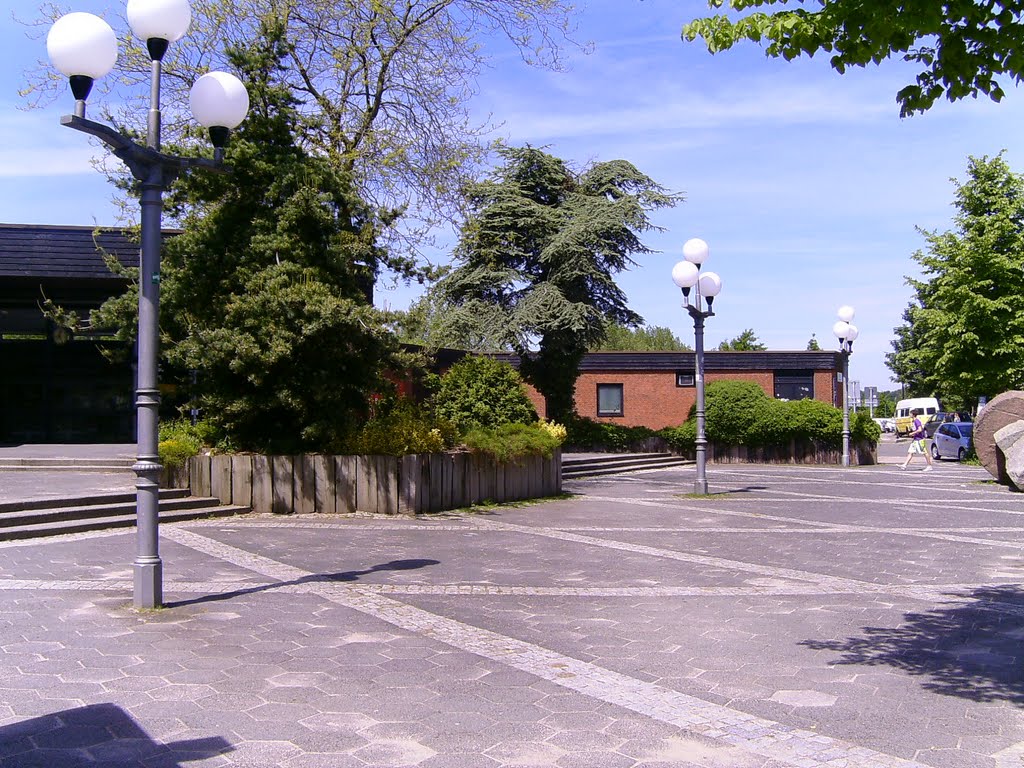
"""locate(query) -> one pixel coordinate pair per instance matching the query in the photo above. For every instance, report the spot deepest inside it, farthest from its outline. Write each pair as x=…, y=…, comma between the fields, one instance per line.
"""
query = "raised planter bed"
x=389, y=485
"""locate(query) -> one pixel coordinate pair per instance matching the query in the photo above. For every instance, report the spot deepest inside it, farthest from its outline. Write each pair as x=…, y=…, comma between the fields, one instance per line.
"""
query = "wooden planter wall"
x=388, y=485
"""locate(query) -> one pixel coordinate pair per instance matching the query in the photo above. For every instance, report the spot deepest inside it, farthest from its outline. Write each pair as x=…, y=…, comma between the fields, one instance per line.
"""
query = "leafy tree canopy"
x=648, y=338
x=813, y=345
x=537, y=258
x=384, y=86
x=964, y=47
x=964, y=331
x=745, y=342
x=265, y=292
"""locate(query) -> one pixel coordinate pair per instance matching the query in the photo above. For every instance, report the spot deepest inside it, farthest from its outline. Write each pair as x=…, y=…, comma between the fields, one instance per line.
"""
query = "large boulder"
x=1010, y=441
x=1002, y=410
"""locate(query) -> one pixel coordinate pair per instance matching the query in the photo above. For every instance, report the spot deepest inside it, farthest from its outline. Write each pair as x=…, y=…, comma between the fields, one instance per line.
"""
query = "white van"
x=928, y=406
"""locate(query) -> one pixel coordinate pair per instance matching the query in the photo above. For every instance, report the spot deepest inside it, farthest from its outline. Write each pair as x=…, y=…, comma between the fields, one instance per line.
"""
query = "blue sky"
x=806, y=184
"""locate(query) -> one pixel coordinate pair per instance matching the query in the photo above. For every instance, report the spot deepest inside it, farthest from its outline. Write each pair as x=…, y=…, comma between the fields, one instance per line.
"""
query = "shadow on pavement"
x=971, y=651
x=394, y=565
x=99, y=734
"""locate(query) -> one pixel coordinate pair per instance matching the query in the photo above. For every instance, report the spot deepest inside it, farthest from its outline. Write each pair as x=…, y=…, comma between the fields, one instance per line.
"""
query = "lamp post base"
x=148, y=584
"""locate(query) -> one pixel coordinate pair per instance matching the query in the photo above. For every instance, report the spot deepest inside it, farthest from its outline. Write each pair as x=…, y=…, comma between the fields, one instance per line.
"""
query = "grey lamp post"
x=846, y=332
x=687, y=275
x=83, y=47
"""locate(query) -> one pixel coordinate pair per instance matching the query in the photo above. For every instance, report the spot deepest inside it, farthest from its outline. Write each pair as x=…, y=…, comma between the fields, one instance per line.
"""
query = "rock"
x=1010, y=441
x=1000, y=411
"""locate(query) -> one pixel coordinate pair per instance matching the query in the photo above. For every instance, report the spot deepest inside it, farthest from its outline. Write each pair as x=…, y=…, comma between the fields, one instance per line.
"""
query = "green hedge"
x=510, y=442
x=738, y=413
x=586, y=433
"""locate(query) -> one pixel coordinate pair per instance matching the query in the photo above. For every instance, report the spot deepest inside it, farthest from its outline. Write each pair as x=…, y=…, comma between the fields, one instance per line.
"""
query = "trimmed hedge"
x=737, y=413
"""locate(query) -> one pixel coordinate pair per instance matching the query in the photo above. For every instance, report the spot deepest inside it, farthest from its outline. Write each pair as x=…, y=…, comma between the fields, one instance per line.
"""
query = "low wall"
x=388, y=485
x=796, y=453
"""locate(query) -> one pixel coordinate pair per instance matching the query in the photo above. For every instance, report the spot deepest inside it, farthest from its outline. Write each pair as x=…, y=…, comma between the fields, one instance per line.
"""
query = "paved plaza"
x=798, y=616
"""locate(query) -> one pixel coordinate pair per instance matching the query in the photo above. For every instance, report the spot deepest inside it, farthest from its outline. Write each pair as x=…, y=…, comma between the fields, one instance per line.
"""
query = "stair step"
x=9, y=463
x=39, y=530
x=41, y=515
x=611, y=458
x=618, y=464
x=127, y=497
x=67, y=468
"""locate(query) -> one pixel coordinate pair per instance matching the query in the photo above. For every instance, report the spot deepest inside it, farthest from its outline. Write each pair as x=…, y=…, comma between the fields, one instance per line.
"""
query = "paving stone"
x=812, y=617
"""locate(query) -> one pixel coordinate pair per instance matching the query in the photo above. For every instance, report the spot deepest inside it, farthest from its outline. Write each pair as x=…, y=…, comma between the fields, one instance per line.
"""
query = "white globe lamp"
x=166, y=20
x=220, y=102
x=685, y=274
x=82, y=47
x=695, y=251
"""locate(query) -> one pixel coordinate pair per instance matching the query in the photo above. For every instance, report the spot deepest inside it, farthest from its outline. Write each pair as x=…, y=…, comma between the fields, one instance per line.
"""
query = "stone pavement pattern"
x=799, y=616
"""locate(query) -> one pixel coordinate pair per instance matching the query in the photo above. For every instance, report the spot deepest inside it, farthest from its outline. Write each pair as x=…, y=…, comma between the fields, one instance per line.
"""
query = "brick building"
x=657, y=389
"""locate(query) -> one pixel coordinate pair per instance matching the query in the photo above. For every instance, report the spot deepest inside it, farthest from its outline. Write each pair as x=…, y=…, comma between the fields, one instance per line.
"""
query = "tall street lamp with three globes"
x=84, y=48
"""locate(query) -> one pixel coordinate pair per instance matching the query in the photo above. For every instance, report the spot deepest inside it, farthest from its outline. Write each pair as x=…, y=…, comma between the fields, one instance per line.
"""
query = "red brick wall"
x=652, y=399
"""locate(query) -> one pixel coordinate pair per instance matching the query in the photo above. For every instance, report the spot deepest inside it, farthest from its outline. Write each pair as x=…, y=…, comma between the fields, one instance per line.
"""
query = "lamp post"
x=687, y=275
x=846, y=332
x=84, y=47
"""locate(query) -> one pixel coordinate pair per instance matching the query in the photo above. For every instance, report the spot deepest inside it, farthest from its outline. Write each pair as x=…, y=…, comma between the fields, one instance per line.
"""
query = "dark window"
x=794, y=385
x=686, y=379
x=609, y=399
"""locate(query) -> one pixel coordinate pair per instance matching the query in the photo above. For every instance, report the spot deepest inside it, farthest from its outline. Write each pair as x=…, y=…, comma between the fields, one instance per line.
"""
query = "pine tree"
x=537, y=259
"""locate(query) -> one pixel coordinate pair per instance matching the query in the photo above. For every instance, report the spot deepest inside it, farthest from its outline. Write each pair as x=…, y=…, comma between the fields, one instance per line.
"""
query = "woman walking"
x=917, y=442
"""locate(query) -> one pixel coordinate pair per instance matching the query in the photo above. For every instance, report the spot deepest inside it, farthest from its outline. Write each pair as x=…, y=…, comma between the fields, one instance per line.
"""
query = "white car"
x=952, y=440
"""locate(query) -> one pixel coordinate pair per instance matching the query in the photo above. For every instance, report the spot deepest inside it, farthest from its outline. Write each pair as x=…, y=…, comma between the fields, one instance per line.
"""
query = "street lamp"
x=846, y=332
x=83, y=47
x=687, y=275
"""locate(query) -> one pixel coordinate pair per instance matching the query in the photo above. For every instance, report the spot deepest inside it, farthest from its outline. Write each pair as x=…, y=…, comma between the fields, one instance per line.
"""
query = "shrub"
x=682, y=439
x=405, y=429
x=863, y=427
x=510, y=442
x=805, y=420
x=586, y=433
x=736, y=414
x=178, y=440
x=731, y=410
x=482, y=392
x=556, y=430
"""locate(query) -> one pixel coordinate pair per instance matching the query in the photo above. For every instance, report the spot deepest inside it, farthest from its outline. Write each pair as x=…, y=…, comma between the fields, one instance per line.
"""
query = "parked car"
x=952, y=440
x=944, y=417
x=887, y=425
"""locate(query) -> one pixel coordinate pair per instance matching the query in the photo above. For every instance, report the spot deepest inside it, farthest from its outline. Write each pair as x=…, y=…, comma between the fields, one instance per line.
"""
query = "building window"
x=609, y=399
x=794, y=385
x=686, y=379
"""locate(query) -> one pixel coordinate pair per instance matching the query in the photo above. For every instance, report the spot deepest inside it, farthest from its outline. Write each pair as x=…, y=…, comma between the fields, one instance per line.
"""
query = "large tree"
x=384, y=85
x=964, y=47
x=745, y=342
x=265, y=293
x=537, y=259
x=654, y=338
x=964, y=333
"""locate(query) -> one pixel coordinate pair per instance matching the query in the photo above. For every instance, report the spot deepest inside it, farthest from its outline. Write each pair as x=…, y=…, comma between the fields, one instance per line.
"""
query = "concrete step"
x=124, y=497
x=65, y=464
x=619, y=464
x=52, y=517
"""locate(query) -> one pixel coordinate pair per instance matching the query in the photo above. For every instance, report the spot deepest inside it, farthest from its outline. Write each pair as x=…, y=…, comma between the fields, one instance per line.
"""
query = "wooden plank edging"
x=405, y=485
